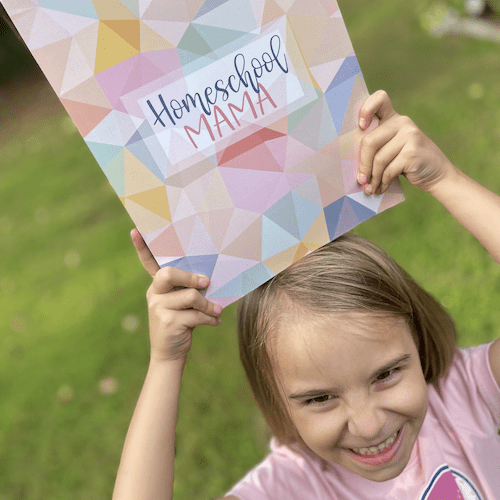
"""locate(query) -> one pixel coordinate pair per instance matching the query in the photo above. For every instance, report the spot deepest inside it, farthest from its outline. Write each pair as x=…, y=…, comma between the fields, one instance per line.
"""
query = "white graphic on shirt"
x=445, y=481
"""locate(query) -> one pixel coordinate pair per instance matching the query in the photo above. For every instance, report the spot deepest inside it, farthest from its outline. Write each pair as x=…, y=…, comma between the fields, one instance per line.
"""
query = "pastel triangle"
x=129, y=30
x=145, y=220
x=155, y=200
x=138, y=177
x=248, y=245
x=152, y=40
x=85, y=116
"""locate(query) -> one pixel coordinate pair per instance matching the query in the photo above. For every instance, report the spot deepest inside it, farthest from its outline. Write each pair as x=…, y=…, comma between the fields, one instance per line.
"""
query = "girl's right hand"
x=173, y=313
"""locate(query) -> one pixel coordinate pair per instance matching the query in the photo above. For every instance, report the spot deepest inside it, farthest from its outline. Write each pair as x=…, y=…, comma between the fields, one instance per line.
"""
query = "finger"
x=381, y=162
x=378, y=104
x=147, y=260
x=188, y=298
x=192, y=319
x=168, y=278
x=370, y=145
x=390, y=173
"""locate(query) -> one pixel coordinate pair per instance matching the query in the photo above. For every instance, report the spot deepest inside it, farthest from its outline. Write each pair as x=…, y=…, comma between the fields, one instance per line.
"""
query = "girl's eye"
x=388, y=375
x=320, y=400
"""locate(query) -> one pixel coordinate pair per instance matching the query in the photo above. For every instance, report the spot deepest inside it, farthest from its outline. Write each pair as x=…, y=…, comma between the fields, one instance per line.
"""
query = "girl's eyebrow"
x=321, y=392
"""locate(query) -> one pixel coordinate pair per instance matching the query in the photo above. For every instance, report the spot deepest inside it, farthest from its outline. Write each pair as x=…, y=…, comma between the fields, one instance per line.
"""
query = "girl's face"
x=353, y=382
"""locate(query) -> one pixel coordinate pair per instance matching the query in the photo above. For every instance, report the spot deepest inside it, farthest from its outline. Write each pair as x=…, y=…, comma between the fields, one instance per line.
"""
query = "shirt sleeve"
x=470, y=391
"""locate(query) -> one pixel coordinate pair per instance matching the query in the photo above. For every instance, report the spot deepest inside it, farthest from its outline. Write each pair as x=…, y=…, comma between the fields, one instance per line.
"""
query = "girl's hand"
x=174, y=313
x=397, y=146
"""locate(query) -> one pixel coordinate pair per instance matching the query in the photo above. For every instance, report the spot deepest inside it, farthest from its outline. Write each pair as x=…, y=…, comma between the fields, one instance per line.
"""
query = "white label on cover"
x=250, y=86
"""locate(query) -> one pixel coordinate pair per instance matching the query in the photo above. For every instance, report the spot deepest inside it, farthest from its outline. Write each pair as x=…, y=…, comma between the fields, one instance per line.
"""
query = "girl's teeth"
x=375, y=449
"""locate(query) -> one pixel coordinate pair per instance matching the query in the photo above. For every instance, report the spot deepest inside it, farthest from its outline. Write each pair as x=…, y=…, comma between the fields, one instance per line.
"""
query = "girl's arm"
x=146, y=470
x=397, y=146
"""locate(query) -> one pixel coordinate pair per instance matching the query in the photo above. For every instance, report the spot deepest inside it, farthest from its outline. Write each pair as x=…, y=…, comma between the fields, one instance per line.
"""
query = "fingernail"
x=204, y=282
x=217, y=309
x=362, y=179
x=362, y=123
x=368, y=189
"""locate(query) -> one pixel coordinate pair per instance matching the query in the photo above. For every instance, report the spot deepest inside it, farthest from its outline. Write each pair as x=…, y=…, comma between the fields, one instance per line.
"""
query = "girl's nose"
x=366, y=421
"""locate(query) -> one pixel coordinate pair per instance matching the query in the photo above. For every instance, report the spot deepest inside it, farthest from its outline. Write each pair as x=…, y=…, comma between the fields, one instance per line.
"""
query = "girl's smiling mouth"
x=381, y=454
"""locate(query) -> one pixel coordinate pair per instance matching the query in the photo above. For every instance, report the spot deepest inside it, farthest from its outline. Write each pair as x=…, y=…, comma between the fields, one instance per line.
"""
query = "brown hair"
x=348, y=274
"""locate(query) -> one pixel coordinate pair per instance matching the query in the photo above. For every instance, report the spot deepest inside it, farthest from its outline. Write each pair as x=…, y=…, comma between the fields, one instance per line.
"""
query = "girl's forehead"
x=340, y=340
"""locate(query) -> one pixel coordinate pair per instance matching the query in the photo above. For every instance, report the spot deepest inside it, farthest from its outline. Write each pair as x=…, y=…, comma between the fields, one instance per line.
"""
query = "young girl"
x=354, y=366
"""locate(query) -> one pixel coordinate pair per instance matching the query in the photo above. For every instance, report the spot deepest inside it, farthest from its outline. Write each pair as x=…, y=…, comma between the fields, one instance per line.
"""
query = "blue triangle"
x=217, y=37
x=201, y=264
x=254, y=277
x=349, y=69
x=231, y=289
x=104, y=153
x=135, y=138
x=173, y=263
x=332, y=216
x=208, y=6
x=338, y=101
x=84, y=8
x=307, y=213
x=362, y=213
x=275, y=239
x=141, y=151
x=283, y=214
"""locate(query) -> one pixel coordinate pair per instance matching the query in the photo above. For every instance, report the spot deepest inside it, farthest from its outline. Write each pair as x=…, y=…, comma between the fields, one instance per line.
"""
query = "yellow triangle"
x=112, y=9
x=302, y=251
x=112, y=49
x=129, y=30
x=282, y=260
x=144, y=220
x=151, y=40
x=137, y=177
x=317, y=235
x=154, y=200
x=272, y=11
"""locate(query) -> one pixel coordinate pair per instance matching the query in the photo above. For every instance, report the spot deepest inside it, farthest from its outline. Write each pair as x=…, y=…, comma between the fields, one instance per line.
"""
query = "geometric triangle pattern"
x=227, y=127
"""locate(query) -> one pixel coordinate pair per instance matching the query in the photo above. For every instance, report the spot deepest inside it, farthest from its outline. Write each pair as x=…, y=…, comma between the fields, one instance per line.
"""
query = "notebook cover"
x=228, y=128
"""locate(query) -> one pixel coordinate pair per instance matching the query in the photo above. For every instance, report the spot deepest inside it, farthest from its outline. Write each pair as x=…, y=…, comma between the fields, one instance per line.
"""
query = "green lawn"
x=72, y=292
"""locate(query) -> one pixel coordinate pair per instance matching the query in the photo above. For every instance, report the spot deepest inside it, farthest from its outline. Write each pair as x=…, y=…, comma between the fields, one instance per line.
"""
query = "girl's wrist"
x=157, y=362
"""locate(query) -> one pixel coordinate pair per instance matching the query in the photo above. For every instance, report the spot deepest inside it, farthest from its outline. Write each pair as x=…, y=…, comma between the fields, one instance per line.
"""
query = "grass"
x=72, y=290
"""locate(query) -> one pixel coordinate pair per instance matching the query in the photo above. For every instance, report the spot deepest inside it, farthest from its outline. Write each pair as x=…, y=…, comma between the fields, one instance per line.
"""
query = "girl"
x=354, y=366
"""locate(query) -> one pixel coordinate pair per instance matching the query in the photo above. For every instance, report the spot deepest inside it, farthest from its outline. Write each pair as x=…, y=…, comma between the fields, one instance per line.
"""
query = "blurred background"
x=74, y=345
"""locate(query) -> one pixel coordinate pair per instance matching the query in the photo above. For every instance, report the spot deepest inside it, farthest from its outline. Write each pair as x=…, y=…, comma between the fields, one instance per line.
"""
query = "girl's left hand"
x=397, y=146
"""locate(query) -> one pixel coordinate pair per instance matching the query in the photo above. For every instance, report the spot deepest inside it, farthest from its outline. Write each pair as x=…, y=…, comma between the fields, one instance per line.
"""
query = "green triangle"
x=217, y=37
x=193, y=42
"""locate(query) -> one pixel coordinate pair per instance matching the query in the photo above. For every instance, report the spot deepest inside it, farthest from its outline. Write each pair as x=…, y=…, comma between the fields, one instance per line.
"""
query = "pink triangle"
x=278, y=149
x=184, y=230
x=167, y=244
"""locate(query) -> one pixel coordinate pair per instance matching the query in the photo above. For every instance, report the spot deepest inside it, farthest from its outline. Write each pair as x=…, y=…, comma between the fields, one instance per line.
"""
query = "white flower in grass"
x=65, y=393
x=72, y=259
x=108, y=386
x=130, y=323
x=476, y=91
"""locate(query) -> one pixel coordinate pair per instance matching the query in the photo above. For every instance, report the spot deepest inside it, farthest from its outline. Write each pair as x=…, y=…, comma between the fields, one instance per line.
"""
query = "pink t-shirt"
x=456, y=455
